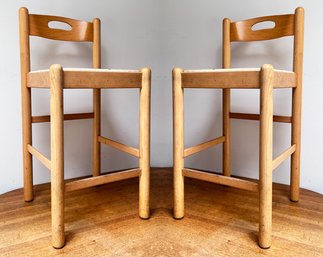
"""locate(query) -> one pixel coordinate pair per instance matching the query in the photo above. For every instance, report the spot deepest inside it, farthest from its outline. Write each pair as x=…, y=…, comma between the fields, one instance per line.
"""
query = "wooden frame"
x=56, y=79
x=266, y=79
x=88, y=78
x=234, y=78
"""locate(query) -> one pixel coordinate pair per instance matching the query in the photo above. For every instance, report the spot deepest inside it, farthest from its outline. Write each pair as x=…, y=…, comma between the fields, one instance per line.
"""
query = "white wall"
x=161, y=34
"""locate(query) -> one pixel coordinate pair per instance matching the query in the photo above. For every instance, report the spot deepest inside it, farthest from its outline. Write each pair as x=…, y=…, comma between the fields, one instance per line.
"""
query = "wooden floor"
x=103, y=221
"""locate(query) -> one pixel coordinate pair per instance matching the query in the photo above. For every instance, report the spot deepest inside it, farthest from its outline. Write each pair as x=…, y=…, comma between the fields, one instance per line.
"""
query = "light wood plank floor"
x=103, y=221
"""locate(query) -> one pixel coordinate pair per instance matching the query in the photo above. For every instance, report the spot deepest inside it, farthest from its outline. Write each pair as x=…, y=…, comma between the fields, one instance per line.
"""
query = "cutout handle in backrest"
x=263, y=25
x=60, y=28
x=59, y=25
x=252, y=30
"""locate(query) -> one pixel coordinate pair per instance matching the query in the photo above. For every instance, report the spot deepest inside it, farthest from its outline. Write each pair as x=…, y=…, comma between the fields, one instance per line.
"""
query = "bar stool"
x=56, y=79
x=266, y=79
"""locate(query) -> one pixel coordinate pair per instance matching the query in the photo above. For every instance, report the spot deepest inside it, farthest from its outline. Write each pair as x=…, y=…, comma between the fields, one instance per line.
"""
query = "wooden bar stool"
x=56, y=79
x=266, y=79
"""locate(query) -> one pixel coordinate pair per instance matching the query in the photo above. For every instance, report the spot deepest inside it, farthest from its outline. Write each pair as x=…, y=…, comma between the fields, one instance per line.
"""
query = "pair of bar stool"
x=57, y=78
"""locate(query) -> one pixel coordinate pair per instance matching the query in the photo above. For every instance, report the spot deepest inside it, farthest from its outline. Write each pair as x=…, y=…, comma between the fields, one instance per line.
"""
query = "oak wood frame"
x=266, y=79
x=56, y=79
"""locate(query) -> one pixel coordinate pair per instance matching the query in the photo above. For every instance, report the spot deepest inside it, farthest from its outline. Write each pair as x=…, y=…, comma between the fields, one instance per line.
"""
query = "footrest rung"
x=203, y=146
x=124, y=148
x=220, y=179
x=283, y=156
x=70, y=116
x=100, y=180
x=250, y=116
x=33, y=151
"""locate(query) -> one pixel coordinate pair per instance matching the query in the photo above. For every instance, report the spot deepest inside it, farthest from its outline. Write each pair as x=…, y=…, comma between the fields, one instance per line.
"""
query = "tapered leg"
x=178, y=143
x=144, y=145
x=57, y=155
x=265, y=158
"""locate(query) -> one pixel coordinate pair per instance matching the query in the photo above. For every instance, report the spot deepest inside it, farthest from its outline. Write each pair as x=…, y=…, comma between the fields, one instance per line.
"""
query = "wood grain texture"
x=222, y=222
x=243, y=31
x=234, y=78
x=80, y=30
x=88, y=78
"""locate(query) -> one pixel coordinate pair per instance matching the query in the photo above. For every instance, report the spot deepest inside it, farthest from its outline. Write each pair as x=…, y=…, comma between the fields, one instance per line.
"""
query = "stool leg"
x=297, y=104
x=178, y=143
x=226, y=133
x=265, y=158
x=226, y=63
x=96, y=63
x=144, y=145
x=26, y=104
x=27, y=140
x=96, y=161
x=57, y=155
x=295, y=158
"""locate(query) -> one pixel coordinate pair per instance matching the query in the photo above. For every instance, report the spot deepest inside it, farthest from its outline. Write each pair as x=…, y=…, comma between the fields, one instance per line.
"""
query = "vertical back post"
x=96, y=59
x=57, y=154
x=297, y=103
x=178, y=143
x=144, y=144
x=26, y=103
x=226, y=63
x=266, y=155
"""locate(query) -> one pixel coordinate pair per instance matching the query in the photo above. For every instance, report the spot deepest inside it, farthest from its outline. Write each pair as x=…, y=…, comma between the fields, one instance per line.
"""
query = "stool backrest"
x=40, y=26
x=284, y=25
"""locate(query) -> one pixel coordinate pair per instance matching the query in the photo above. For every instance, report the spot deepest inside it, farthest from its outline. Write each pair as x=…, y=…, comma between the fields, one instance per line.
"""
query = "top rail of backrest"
x=242, y=30
x=80, y=30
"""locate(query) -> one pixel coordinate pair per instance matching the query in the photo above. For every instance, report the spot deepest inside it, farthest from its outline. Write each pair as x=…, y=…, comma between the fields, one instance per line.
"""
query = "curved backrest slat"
x=80, y=30
x=284, y=25
x=72, y=30
x=243, y=30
